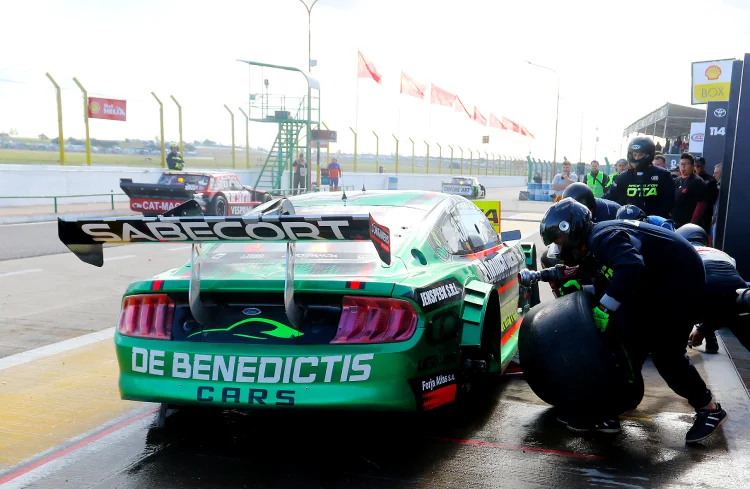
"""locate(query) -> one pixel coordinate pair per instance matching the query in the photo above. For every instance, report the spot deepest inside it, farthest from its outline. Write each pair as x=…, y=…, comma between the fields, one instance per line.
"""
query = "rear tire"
x=218, y=206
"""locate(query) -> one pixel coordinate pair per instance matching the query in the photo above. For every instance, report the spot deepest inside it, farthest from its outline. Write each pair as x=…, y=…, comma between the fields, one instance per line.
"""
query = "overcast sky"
x=616, y=60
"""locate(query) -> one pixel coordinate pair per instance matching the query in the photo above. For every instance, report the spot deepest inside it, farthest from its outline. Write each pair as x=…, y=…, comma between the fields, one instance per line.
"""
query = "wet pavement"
x=501, y=435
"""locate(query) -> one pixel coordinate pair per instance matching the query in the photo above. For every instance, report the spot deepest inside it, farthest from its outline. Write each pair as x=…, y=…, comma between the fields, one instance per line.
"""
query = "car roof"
x=416, y=199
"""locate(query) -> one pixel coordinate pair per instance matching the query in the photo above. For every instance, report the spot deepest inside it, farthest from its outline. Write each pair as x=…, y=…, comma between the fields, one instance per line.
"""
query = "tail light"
x=147, y=316
x=375, y=320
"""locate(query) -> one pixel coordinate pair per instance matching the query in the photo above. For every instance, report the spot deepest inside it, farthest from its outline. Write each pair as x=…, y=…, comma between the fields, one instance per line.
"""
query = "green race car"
x=468, y=187
x=388, y=300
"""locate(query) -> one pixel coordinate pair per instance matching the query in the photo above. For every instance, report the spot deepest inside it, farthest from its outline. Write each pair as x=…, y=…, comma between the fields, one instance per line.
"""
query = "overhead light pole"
x=309, y=36
x=557, y=112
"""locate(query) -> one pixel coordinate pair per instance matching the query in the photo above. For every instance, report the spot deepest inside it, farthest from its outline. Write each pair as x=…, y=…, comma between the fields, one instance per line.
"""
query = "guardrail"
x=111, y=195
x=287, y=191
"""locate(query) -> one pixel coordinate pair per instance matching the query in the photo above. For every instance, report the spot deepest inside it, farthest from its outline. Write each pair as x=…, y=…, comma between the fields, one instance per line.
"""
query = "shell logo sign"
x=107, y=108
x=711, y=81
x=713, y=72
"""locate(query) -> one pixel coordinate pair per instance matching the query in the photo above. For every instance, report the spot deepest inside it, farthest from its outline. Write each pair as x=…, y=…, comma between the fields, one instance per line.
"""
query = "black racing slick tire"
x=569, y=364
x=218, y=206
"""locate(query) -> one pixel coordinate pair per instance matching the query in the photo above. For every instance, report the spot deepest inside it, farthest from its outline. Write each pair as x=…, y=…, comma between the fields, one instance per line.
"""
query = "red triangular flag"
x=410, y=86
x=441, y=97
x=510, y=125
x=366, y=69
x=461, y=108
x=479, y=117
x=495, y=122
x=526, y=132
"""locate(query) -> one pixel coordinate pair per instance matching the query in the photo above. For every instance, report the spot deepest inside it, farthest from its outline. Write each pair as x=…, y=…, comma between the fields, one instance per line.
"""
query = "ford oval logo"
x=251, y=311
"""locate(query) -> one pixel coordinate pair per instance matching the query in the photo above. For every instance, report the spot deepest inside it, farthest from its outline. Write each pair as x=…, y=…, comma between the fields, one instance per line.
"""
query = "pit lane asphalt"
x=502, y=436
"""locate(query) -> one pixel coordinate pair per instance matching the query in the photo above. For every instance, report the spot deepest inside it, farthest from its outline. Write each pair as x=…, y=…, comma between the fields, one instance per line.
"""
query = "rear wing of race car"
x=86, y=237
x=274, y=221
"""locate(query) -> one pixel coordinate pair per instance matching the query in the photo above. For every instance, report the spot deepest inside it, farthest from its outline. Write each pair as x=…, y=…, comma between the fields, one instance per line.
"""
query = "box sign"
x=107, y=108
x=697, y=135
x=323, y=136
x=711, y=81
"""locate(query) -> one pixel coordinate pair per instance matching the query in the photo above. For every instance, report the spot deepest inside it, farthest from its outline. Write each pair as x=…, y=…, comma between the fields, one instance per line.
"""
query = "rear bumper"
x=353, y=377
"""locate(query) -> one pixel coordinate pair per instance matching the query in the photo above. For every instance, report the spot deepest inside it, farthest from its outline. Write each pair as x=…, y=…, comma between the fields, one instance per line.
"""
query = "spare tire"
x=568, y=363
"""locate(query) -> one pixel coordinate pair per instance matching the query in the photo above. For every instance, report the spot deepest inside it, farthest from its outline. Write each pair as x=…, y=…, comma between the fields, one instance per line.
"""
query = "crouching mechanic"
x=719, y=295
x=601, y=210
x=639, y=262
x=633, y=213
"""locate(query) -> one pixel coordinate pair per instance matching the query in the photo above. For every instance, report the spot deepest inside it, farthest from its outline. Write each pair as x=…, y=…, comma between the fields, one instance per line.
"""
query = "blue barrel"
x=533, y=190
x=392, y=183
x=546, y=192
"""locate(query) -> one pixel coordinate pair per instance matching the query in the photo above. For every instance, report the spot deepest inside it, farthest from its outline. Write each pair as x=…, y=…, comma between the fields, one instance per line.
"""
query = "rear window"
x=461, y=181
x=188, y=182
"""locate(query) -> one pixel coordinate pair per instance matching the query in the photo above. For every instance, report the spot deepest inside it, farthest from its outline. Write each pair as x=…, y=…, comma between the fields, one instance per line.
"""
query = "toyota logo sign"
x=720, y=112
x=698, y=137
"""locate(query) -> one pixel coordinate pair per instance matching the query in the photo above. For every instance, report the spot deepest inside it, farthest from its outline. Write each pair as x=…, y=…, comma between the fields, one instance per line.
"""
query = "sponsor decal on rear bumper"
x=435, y=391
x=153, y=205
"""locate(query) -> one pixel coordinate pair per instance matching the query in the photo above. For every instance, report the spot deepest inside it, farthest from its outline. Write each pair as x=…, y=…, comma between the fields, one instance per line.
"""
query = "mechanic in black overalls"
x=719, y=296
x=601, y=210
x=644, y=185
x=639, y=263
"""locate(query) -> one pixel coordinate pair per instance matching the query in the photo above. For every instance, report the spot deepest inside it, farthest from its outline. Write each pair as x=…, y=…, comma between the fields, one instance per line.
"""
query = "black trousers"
x=298, y=182
x=662, y=334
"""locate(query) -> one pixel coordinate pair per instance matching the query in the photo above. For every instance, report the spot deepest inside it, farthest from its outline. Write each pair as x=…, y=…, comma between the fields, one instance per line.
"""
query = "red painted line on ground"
x=510, y=331
x=507, y=286
x=513, y=447
x=86, y=441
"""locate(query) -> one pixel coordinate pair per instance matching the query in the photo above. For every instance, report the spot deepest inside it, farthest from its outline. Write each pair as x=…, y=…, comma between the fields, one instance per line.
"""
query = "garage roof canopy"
x=670, y=121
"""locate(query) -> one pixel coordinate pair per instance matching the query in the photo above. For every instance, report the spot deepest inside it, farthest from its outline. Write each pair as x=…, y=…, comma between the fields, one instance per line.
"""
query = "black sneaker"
x=585, y=425
x=712, y=344
x=706, y=422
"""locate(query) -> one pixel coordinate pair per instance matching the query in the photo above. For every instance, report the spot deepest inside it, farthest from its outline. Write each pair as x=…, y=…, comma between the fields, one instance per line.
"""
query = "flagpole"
x=356, y=109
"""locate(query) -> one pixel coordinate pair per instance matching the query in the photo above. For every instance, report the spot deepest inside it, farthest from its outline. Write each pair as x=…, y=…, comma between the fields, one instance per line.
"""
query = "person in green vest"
x=597, y=181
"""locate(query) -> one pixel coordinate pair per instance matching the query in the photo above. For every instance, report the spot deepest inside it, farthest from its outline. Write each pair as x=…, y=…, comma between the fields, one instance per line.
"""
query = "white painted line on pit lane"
x=179, y=248
x=21, y=272
x=119, y=257
x=55, y=348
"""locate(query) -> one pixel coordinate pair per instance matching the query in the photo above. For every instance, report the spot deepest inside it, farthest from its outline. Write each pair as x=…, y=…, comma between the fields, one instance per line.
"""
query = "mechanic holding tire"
x=601, y=210
x=638, y=262
x=719, y=295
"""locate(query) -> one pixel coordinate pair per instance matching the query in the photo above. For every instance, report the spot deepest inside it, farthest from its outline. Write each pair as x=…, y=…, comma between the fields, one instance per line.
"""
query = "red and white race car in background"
x=219, y=194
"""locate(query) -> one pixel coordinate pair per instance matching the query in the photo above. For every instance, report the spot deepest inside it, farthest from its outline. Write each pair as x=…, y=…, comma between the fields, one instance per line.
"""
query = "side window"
x=477, y=231
x=220, y=183
x=234, y=183
x=446, y=237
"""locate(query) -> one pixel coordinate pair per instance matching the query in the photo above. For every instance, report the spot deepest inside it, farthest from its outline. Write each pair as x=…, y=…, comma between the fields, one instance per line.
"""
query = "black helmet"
x=631, y=212
x=567, y=223
x=693, y=233
x=581, y=192
x=643, y=145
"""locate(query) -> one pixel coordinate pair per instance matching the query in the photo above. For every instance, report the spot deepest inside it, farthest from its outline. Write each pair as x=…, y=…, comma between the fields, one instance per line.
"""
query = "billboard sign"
x=697, y=135
x=107, y=108
x=711, y=81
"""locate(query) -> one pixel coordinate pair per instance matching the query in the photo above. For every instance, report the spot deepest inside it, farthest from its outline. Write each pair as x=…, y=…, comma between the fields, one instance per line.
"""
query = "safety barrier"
x=55, y=198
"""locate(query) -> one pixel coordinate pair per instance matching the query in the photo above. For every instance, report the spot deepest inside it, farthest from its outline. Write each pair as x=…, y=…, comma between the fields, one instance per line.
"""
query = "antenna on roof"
x=363, y=187
x=343, y=197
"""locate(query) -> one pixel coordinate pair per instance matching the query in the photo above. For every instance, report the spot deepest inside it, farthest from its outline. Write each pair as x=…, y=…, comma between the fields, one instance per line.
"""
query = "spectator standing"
x=676, y=147
x=537, y=177
x=334, y=172
x=712, y=193
x=597, y=181
x=561, y=181
x=300, y=174
x=660, y=161
x=715, y=214
x=658, y=147
x=621, y=165
x=690, y=194
x=174, y=159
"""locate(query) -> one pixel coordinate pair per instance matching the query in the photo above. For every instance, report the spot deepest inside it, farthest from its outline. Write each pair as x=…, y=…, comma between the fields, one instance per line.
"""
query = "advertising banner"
x=697, y=134
x=711, y=81
x=716, y=130
x=107, y=108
